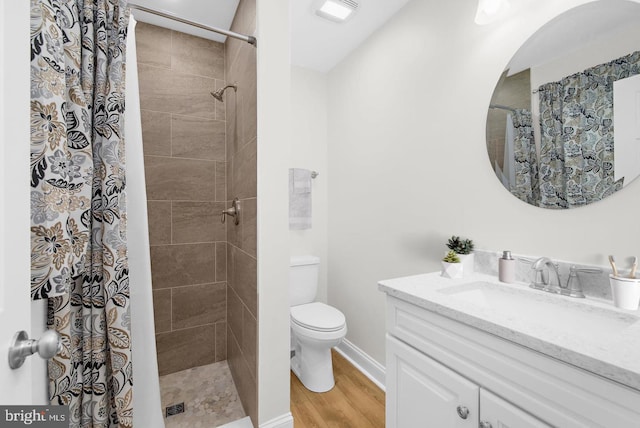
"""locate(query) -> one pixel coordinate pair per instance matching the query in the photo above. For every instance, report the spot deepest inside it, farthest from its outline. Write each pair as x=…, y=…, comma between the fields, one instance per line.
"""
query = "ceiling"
x=320, y=44
x=316, y=43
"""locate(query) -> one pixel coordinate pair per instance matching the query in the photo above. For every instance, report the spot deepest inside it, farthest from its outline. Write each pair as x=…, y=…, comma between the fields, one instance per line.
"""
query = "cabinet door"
x=423, y=393
x=497, y=413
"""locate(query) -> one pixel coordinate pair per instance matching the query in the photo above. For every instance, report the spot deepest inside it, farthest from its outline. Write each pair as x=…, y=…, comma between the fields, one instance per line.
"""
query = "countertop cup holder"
x=625, y=291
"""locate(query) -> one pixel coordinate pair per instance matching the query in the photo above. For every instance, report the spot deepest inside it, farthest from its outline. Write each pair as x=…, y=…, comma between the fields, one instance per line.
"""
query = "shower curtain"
x=576, y=120
x=78, y=204
x=526, y=158
x=147, y=411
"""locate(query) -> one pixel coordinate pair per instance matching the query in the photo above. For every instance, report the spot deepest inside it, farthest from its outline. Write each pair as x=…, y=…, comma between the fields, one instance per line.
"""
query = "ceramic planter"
x=467, y=260
x=452, y=270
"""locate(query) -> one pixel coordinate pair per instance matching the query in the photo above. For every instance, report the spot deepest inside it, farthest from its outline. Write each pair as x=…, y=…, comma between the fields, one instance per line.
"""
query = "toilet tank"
x=303, y=279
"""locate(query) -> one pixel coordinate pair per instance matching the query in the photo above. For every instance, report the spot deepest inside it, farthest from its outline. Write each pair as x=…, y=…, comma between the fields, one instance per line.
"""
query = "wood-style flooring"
x=355, y=401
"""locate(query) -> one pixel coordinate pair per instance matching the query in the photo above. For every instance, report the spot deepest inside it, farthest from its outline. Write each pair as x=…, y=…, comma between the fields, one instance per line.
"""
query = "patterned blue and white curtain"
x=78, y=204
x=526, y=159
x=576, y=119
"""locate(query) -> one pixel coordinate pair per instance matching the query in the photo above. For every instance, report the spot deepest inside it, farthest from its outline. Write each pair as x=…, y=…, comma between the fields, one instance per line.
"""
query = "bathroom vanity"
x=475, y=352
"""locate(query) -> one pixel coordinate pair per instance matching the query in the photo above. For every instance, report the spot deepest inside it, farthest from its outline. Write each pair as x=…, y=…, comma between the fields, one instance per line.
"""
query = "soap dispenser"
x=507, y=268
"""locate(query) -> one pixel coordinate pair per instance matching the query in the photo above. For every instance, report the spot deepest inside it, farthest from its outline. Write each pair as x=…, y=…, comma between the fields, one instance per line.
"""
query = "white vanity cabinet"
x=498, y=413
x=424, y=393
x=443, y=373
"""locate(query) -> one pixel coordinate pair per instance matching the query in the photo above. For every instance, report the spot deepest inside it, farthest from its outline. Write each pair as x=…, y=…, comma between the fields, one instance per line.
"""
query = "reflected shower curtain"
x=526, y=159
x=576, y=120
x=78, y=204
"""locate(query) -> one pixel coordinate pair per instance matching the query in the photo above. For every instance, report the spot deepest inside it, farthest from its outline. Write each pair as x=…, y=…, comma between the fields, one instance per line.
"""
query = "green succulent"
x=451, y=257
x=460, y=246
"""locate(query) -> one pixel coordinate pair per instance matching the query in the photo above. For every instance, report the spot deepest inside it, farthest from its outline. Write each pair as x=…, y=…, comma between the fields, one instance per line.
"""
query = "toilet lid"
x=317, y=316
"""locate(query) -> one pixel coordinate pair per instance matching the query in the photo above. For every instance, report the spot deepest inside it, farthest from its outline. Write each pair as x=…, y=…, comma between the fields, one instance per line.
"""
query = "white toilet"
x=315, y=327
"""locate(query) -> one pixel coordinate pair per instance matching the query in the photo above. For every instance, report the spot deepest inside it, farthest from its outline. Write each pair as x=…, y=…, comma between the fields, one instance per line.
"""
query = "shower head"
x=220, y=92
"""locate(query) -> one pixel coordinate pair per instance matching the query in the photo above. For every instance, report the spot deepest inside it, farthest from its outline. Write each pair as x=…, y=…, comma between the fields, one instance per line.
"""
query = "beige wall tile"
x=232, y=47
x=153, y=45
x=183, y=349
x=173, y=92
x=232, y=125
x=162, y=310
x=221, y=261
x=185, y=264
x=191, y=95
x=156, y=89
x=159, y=215
x=244, y=172
x=245, y=383
x=179, y=179
x=197, y=138
x=195, y=55
x=248, y=238
x=249, y=343
x=234, y=231
x=242, y=277
x=156, y=133
x=221, y=341
x=197, y=221
x=198, y=305
x=243, y=71
x=249, y=114
x=221, y=106
x=235, y=310
x=221, y=181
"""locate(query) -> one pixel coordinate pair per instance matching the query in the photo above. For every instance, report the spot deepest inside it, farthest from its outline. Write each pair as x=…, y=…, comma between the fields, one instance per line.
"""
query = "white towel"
x=301, y=180
x=299, y=199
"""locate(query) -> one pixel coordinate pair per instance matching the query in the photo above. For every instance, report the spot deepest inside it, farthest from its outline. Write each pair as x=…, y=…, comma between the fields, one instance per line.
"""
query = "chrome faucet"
x=541, y=280
x=574, y=287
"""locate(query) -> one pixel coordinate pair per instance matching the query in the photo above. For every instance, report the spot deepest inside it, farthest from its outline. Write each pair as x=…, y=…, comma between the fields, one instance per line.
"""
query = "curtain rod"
x=249, y=39
x=501, y=107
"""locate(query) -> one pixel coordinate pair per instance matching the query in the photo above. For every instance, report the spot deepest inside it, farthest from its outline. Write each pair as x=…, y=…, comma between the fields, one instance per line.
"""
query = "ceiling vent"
x=335, y=10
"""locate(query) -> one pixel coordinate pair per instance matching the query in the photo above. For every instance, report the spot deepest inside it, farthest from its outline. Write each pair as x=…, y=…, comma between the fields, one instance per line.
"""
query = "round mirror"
x=572, y=87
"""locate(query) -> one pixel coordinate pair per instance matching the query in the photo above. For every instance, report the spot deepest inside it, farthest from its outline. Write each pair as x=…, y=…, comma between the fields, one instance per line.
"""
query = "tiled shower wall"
x=185, y=165
x=242, y=294
x=515, y=92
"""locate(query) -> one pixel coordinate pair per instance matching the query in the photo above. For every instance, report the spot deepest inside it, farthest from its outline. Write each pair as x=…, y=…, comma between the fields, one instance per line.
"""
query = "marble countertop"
x=592, y=334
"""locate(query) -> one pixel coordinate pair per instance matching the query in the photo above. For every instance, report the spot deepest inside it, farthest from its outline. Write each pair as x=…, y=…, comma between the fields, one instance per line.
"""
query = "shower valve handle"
x=234, y=212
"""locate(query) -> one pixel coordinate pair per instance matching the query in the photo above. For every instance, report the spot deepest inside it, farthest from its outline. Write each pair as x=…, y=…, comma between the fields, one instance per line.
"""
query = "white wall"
x=600, y=51
x=309, y=150
x=273, y=73
x=407, y=157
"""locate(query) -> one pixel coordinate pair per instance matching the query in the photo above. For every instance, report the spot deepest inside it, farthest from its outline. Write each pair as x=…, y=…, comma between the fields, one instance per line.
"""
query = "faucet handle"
x=574, y=287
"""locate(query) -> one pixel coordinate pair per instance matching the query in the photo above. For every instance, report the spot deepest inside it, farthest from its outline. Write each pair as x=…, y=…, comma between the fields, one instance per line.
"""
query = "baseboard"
x=363, y=362
x=283, y=421
x=239, y=423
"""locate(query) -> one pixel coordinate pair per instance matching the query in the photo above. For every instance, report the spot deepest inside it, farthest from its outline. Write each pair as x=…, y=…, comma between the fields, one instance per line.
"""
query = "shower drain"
x=176, y=409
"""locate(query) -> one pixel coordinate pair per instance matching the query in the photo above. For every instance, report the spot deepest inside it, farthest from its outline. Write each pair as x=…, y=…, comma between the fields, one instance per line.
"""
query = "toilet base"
x=314, y=368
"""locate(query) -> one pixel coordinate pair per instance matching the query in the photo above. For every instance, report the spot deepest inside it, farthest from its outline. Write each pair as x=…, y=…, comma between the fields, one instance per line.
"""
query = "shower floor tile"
x=209, y=395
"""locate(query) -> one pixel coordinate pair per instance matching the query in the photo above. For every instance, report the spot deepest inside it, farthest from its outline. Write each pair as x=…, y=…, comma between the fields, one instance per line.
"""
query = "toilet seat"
x=317, y=316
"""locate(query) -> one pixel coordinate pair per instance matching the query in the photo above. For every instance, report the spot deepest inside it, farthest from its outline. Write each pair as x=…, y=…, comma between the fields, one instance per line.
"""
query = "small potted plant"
x=451, y=266
x=464, y=250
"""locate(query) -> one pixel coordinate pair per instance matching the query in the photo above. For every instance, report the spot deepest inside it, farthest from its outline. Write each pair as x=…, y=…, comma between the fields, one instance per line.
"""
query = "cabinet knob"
x=463, y=412
x=485, y=424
